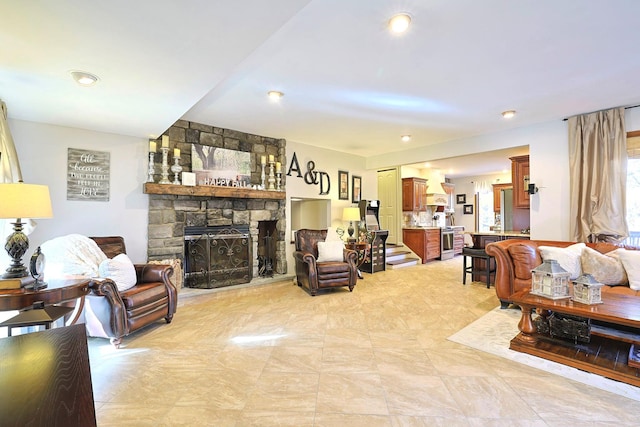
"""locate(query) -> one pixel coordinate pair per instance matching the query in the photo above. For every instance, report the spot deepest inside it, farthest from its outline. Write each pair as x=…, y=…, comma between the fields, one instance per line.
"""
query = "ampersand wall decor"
x=311, y=176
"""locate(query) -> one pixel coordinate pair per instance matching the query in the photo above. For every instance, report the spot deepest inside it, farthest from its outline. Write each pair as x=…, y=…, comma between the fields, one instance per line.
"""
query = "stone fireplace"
x=176, y=208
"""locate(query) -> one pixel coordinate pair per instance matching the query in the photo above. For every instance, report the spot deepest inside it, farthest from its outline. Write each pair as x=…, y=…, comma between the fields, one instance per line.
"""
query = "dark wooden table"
x=57, y=292
x=45, y=379
x=361, y=248
x=613, y=337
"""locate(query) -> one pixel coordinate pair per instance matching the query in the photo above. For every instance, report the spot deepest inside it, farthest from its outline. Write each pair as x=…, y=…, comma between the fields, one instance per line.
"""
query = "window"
x=633, y=188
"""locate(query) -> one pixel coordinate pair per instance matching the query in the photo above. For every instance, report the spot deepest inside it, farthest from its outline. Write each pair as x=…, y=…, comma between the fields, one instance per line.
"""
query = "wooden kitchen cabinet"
x=496, y=195
x=414, y=194
x=424, y=242
x=520, y=181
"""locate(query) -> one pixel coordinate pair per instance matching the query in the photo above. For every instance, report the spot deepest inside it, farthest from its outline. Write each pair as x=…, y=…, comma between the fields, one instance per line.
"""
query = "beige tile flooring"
x=273, y=355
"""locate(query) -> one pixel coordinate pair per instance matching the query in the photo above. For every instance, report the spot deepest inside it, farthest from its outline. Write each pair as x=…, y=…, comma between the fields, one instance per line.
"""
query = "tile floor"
x=273, y=355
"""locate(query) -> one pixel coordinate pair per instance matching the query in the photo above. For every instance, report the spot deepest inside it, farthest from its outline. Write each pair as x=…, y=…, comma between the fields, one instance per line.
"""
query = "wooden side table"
x=361, y=248
x=36, y=316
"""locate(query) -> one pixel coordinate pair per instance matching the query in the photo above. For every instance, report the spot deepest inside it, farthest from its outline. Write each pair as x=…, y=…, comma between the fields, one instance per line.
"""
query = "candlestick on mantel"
x=263, y=160
x=165, y=141
x=176, y=152
x=151, y=168
x=278, y=167
x=270, y=158
x=165, y=166
x=152, y=146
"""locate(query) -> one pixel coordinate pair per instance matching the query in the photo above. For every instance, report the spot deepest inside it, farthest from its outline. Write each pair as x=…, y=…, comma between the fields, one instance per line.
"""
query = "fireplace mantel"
x=211, y=191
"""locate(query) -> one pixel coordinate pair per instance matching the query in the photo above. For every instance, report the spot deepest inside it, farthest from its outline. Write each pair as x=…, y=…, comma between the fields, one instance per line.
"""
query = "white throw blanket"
x=69, y=255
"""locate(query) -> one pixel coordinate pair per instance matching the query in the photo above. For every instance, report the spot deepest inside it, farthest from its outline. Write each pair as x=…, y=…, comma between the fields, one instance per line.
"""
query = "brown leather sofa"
x=516, y=258
x=113, y=314
x=315, y=275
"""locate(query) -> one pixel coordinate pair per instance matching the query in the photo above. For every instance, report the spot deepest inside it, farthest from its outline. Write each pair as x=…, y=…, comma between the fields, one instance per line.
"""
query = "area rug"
x=492, y=332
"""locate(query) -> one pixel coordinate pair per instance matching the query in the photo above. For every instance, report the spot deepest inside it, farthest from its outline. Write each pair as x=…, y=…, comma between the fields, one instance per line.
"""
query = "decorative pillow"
x=631, y=262
x=607, y=269
x=568, y=258
x=525, y=258
x=330, y=251
x=120, y=269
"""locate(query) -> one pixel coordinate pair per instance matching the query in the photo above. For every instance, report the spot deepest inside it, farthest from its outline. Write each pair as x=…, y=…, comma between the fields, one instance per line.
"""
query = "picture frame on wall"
x=343, y=185
x=468, y=209
x=461, y=199
x=356, y=186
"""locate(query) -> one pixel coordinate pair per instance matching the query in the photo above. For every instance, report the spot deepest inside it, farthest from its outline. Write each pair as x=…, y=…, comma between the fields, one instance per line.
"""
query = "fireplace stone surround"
x=169, y=214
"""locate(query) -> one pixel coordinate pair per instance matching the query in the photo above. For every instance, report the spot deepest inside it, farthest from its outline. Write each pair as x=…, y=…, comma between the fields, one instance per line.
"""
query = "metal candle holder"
x=165, y=166
x=272, y=178
x=176, y=169
x=150, y=178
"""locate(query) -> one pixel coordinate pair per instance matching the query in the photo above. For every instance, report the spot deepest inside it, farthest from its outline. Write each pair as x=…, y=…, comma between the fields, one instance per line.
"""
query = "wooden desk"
x=45, y=379
x=57, y=292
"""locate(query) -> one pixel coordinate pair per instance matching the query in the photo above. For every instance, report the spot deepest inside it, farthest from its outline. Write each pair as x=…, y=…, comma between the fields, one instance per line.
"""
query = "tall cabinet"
x=414, y=194
x=520, y=181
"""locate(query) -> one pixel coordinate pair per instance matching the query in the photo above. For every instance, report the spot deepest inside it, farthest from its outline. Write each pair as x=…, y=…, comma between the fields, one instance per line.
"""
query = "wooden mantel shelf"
x=211, y=191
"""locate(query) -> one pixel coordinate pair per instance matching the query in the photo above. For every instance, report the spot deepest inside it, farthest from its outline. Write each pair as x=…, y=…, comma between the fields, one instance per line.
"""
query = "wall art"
x=88, y=174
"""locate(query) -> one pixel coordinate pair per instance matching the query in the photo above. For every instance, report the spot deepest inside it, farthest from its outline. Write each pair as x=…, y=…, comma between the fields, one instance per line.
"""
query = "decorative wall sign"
x=461, y=199
x=220, y=166
x=311, y=176
x=468, y=209
x=343, y=185
x=356, y=185
x=88, y=174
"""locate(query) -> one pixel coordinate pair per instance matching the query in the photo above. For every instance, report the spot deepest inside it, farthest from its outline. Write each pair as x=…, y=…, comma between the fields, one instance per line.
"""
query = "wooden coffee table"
x=615, y=333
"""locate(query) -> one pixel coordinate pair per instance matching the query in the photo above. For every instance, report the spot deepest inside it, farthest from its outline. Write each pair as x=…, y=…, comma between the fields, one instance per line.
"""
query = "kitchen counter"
x=505, y=233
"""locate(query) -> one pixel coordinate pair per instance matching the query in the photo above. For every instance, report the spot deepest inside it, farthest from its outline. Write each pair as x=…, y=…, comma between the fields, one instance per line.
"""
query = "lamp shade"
x=19, y=200
x=351, y=214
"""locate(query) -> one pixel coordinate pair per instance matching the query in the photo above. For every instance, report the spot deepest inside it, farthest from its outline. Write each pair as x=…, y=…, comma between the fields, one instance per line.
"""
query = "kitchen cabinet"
x=520, y=181
x=414, y=194
x=458, y=240
x=424, y=242
x=496, y=195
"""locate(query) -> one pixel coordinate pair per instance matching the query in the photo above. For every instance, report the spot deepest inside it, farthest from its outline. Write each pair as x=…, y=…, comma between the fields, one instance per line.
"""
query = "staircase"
x=399, y=256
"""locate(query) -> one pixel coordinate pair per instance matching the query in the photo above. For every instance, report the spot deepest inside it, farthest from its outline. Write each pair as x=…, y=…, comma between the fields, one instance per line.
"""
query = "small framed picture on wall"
x=468, y=209
x=356, y=183
x=343, y=188
x=461, y=199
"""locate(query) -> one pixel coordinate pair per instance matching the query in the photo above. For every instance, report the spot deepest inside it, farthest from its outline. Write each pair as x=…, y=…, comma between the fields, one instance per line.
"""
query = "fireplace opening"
x=217, y=256
x=266, y=247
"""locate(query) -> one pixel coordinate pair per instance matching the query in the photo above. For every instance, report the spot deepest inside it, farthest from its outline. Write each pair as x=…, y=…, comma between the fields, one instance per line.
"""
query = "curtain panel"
x=598, y=176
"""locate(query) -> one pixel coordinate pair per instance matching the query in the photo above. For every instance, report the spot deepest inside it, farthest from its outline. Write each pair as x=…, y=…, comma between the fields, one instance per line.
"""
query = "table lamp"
x=351, y=214
x=20, y=200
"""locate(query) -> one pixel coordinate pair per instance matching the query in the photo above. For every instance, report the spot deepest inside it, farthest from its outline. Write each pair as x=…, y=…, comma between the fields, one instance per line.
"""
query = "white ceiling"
x=349, y=85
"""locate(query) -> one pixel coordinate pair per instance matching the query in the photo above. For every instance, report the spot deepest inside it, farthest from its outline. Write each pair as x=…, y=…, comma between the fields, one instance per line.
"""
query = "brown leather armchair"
x=321, y=275
x=112, y=314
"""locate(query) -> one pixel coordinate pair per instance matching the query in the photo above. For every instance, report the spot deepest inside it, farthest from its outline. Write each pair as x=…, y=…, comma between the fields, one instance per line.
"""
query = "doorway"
x=388, y=185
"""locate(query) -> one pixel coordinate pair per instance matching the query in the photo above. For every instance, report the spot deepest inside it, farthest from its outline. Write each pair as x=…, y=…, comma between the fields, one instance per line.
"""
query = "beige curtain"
x=598, y=175
x=9, y=172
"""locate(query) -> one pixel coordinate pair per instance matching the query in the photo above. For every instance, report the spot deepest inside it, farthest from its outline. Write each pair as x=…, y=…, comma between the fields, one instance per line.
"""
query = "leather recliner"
x=114, y=314
x=315, y=275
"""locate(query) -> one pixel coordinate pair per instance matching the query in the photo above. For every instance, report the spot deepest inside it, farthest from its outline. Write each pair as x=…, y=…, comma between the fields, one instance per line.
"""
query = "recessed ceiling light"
x=405, y=138
x=400, y=23
x=275, y=95
x=83, y=78
x=508, y=114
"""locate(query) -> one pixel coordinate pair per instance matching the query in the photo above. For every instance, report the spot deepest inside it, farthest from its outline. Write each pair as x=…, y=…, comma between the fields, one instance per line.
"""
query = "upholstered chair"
x=330, y=266
x=110, y=313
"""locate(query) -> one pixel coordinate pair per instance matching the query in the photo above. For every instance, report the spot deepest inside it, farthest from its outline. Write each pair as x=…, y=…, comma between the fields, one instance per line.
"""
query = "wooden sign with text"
x=88, y=175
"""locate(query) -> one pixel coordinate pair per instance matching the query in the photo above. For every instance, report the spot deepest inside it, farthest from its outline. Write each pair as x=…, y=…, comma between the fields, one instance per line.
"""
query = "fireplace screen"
x=217, y=256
